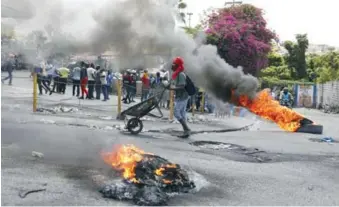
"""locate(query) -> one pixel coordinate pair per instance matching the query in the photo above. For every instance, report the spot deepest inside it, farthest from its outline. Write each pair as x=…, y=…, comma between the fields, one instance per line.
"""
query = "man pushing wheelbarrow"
x=183, y=87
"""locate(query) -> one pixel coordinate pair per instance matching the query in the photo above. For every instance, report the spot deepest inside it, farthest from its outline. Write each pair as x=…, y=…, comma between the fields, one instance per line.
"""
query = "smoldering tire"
x=155, y=178
x=143, y=196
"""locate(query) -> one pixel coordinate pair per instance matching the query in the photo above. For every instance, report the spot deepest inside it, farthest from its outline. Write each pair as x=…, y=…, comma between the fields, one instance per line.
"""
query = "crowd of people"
x=86, y=79
x=90, y=80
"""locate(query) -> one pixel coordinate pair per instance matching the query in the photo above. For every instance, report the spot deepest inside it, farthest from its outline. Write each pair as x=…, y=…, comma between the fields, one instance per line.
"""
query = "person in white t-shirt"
x=91, y=80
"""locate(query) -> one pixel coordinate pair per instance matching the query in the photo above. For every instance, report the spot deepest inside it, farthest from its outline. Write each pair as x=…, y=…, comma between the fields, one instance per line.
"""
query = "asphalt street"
x=280, y=168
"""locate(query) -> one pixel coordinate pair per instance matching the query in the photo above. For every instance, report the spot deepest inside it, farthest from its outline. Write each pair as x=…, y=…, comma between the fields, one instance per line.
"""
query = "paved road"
x=292, y=170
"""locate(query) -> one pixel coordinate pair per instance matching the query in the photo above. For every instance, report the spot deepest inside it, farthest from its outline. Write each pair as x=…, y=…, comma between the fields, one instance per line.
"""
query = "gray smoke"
x=135, y=29
x=64, y=27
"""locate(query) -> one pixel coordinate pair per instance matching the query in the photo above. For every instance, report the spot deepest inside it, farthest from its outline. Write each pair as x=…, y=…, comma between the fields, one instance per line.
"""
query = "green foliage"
x=275, y=59
x=327, y=74
x=323, y=67
x=296, y=57
x=270, y=82
x=181, y=6
x=193, y=31
x=277, y=72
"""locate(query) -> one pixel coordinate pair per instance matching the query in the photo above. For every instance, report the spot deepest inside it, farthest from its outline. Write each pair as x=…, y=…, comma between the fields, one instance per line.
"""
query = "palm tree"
x=303, y=43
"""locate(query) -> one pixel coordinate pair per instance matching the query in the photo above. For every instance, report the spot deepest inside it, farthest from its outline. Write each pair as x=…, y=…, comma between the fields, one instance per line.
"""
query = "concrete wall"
x=328, y=93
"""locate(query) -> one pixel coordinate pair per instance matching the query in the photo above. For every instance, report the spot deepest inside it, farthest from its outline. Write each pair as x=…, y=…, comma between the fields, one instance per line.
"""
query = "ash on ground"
x=155, y=179
x=59, y=109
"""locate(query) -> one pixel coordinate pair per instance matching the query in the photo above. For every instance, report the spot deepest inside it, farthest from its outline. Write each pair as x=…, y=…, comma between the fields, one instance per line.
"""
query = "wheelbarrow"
x=134, y=124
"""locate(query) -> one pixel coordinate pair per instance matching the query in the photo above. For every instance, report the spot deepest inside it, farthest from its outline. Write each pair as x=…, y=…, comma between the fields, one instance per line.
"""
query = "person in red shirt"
x=145, y=86
x=127, y=81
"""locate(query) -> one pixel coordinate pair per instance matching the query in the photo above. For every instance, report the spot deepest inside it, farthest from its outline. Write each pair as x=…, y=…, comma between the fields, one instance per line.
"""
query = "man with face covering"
x=181, y=95
x=286, y=98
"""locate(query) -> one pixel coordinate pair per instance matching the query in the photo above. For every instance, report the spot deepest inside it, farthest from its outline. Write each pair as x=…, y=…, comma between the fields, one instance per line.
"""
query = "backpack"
x=190, y=87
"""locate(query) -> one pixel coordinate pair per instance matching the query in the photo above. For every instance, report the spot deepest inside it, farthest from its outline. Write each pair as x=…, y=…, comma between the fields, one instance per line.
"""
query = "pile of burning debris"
x=266, y=107
x=147, y=179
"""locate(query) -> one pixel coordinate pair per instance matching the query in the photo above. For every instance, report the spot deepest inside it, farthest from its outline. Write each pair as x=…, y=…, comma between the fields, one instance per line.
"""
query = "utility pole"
x=189, y=18
x=233, y=2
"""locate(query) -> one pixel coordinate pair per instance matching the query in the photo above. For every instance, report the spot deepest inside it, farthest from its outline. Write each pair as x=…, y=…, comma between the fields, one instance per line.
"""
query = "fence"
x=328, y=94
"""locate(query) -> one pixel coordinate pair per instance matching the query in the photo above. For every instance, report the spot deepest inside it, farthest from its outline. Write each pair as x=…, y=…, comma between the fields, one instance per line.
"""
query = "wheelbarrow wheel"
x=134, y=126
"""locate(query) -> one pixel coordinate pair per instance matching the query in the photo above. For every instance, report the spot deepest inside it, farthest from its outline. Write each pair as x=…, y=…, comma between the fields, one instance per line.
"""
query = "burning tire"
x=311, y=129
x=134, y=126
x=147, y=178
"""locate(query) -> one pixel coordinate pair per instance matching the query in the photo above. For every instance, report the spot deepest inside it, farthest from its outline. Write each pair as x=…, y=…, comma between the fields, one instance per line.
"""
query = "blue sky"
x=319, y=19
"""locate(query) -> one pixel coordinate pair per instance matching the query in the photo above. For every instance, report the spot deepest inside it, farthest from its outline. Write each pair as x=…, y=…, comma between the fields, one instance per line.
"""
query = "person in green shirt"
x=181, y=95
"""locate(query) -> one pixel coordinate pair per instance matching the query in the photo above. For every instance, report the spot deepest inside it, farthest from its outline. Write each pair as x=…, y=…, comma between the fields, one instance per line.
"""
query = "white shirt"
x=91, y=73
x=103, y=79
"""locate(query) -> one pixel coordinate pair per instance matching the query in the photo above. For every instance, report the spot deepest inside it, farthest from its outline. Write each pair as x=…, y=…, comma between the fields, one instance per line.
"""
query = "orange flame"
x=125, y=159
x=161, y=170
x=265, y=106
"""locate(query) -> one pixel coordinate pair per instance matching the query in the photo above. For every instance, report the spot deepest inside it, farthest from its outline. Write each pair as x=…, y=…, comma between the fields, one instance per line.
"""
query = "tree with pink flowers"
x=241, y=35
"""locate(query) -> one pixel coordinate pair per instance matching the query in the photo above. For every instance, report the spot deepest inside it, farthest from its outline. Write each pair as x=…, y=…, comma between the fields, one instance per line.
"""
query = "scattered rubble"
x=46, y=121
x=37, y=154
x=58, y=109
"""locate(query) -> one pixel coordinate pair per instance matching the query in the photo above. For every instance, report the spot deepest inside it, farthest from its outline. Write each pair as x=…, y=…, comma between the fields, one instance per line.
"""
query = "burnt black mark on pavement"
x=254, y=155
x=174, y=132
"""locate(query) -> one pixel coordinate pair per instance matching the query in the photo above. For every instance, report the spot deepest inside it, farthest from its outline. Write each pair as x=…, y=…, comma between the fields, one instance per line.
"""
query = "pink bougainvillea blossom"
x=241, y=36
